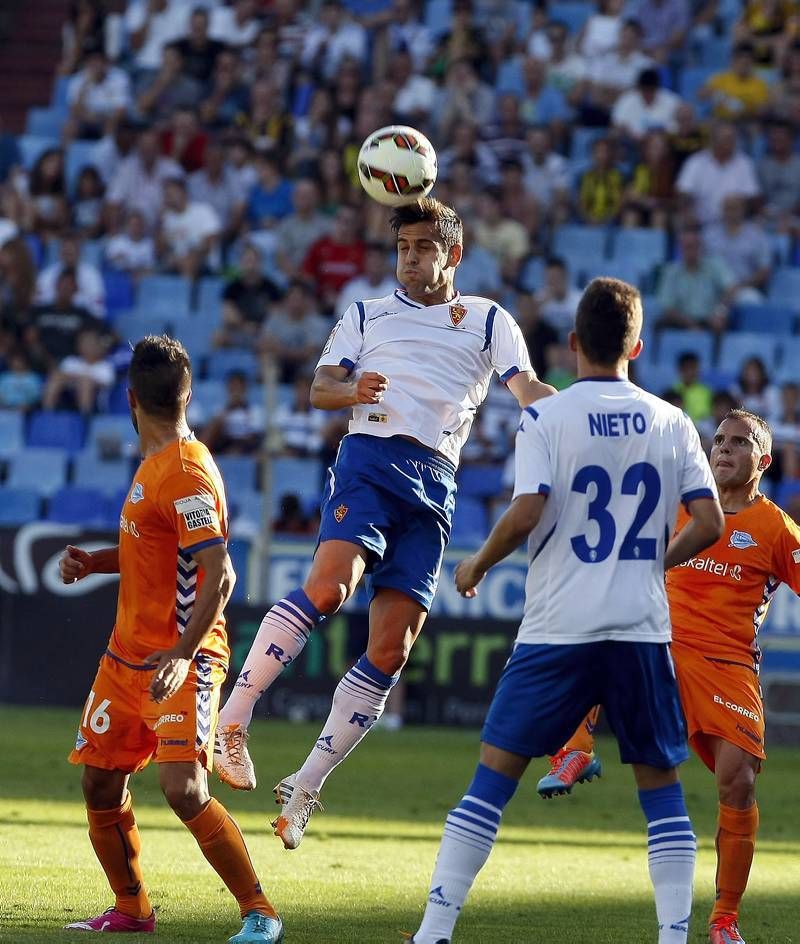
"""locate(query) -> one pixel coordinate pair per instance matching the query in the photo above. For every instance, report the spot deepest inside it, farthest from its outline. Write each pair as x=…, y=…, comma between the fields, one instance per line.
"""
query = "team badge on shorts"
x=457, y=314
x=339, y=513
x=742, y=540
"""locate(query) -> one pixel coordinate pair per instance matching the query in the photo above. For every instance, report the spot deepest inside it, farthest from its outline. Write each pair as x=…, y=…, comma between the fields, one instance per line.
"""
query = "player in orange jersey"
x=156, y=692
x=718, y=602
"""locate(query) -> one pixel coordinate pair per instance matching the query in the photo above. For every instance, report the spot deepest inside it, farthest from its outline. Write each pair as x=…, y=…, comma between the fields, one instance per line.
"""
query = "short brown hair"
x=758, y=425
x=444, y=218
x=608, y=321
x=160, y=376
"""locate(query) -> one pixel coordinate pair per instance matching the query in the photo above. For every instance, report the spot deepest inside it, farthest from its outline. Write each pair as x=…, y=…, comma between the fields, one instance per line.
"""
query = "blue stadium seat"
x=647, y=246
x=718, y=379
x=58, y=99
x=674, y=342
x=657, y=378
x=76, y=505
x=573, y=13
x=692, y=79
x=109, y=476
x=208, y=295
x=238, y=473
x=131, y=326
x=120, y=292
x=790, y=358
x=79, y=154
x=46, y=122
x=301, y=477
x=164, y=294
x=42, y=469
x=111, y=437
x=786, y=491
x=19, y=506
x=57, y=430
x=208, y=398
x=480, y=480
x=578, y=243
x=470, y=523
x=510, y=79
x=736, y=348
x=221, y=363
x=248, y=504
x=438, y=16
x=784, y=288
x=532, y=276
x=32, y=146
x=12, y=433
x=766, y=318
x=240, y=553
x=581, y=142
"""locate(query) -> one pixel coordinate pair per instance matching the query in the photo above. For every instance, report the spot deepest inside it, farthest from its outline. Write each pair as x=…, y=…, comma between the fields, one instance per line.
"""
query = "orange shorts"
x=720, y=699
x=122, y=728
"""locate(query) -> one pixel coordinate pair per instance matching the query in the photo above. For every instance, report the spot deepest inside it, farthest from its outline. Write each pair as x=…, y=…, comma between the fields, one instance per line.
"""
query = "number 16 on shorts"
x=96, y=718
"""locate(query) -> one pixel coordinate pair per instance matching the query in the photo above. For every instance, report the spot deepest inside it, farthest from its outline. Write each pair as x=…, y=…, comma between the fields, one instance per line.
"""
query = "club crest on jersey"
x=457, y=314
x=137, y=494
x=741, y=540
x=339, y=513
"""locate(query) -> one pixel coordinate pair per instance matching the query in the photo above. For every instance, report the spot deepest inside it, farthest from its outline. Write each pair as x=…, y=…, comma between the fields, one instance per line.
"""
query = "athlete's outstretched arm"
x=335, y=388
x=706, y=526
x=77, y=563
x=520, y=518
x=527, y=388
x=172, y=665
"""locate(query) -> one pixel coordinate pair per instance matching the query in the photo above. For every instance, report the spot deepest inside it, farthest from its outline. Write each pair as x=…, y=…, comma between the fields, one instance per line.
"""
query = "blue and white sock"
x=358, y=702
x=283, y=633
x=469, y=834
x=671, y=854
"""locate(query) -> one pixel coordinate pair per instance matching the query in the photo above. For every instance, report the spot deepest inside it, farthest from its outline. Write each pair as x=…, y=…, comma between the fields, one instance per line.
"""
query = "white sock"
x=283, y=633
x=358, y=702
x=469, y=834
x=671, y=854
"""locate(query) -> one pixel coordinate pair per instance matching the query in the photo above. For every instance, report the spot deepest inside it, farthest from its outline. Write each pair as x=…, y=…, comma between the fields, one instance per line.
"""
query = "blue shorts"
x=545, y=691
x=395, y=499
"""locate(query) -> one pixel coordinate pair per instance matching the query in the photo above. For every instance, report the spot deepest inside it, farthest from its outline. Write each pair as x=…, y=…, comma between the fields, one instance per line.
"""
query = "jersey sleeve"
x=190, y=501
x=344, y=343
x=532, y=469
x=786, y=554
x=696, y=478
x=507, y=346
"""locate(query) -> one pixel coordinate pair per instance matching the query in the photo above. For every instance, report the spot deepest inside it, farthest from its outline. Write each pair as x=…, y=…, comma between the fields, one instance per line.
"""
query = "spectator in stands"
x=722, y=402
x=465, y=145
x=270, y=199
x=266, y=60
x=83, y=32
x=546, y=175
x=540, y=335
x=246, y=302
x=739, y=93
x=295, y=332
x=785, y=424
x=170, y=88
x=333, y=37
x=53, y=328
x=292, y=519
x=235, y=25
x=645, y=108
x=184, y=140
x=133, y=250
x=650, y=196
x=265, y=122
x=336, y=258
x=745, y=248
x=47, y=209
x=617, y=70
x=696, y=291
x=601, y=187
x=87, y=207
x=219, y=186
x=150, y=26
x=558, y=299
x=769, y=25
x=665, y=25
x=506, y=135
x=415, y=94
x=377, y=281
x=541, y=103
x=710, y=175
x=109, y=152
x=696, y=397
x=299, y=425
x=238, y=429
x=689, y=136
x=400, y=28
x=601, y=32
x=567, y=70
x=90, y=289
x=506, y=239
x=754, y=389
x=478, y=272
x=312, y=131
x=81, y=377
x=198, y=49
x=228, y=95
x=20, y=385
x=300, y=229
x=189, y=235
x=99, y=96
x=779, y=176
x=17, y=288
x=467, y=99
x=10, y=157
x=335, y=186
x=785, y=94
x=239, y=153
x=139, y=182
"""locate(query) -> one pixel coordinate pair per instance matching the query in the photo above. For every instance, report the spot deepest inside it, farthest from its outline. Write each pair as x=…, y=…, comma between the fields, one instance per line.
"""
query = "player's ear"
x=764, y=462
x=572, y=342
x=131, y=399
x=455, y=254
x=636, y=350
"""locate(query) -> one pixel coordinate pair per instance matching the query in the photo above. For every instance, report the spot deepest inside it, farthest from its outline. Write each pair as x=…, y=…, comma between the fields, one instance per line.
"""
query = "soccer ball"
x=397, y=165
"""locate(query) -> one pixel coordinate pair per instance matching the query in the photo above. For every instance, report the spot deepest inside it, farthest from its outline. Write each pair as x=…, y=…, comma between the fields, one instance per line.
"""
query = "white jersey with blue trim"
x=438, y=358
x=614, y=462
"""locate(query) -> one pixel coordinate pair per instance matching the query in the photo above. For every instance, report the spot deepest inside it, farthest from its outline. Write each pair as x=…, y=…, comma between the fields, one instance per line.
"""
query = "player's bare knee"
x=327, y=594
x=389, y=657
x=737, y=787
x=102, y=790
x=185, y=799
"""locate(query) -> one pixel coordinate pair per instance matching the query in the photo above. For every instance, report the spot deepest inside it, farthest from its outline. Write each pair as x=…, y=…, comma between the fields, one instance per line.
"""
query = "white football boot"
x=231, y=758
x=297, y=806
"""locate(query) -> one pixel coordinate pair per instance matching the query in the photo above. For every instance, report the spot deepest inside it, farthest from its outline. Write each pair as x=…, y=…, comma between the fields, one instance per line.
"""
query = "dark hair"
x=160, y=375
x=760, y=367
x=68, y=272
x=744, y=48
x=634, y=25
x=761, y=430
x=649, y=78
x=608, y=320
x=687, y=357
x=555, y=262
x=38, y=185
x=446, y=221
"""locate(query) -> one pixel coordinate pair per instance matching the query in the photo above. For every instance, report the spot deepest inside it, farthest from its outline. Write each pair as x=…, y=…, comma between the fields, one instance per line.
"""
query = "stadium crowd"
x=196, y=172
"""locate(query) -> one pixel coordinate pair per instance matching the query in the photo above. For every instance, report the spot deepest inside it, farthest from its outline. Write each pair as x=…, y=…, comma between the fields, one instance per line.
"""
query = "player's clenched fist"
x=75, y=564
x=370, y=387
x=467, y=577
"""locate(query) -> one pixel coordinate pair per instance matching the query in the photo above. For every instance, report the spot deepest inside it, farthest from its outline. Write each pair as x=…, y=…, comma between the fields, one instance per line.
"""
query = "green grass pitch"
x=569, y=870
